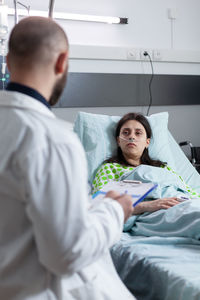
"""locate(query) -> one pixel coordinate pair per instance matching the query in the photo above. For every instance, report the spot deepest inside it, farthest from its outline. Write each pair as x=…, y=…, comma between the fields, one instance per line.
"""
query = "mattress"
x=159, y=268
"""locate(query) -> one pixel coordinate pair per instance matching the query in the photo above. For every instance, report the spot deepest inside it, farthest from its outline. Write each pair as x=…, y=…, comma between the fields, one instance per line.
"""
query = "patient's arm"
x=150, y=206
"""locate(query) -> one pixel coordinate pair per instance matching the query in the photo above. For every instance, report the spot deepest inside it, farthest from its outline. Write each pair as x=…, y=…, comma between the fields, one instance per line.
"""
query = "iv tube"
x=3, y=38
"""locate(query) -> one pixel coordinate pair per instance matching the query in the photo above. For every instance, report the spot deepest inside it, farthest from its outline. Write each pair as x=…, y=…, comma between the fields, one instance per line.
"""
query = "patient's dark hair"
x=145, y=158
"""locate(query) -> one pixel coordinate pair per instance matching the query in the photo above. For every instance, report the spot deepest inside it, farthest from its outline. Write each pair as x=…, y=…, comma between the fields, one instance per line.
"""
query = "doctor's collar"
x=17, y=87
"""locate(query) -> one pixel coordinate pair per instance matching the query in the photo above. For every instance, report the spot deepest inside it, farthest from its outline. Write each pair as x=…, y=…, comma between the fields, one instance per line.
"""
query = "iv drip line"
x=3, y=73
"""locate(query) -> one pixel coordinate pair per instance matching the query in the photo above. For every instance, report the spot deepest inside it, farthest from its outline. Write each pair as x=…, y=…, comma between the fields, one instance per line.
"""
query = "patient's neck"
x=132, y=161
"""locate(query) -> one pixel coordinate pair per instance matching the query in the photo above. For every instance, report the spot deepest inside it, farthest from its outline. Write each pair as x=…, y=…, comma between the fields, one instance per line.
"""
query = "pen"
x=97, y=193
x=132, y=181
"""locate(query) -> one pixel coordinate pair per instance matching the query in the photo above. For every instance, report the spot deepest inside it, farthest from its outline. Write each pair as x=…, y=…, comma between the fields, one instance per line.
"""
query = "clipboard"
x=136, y=189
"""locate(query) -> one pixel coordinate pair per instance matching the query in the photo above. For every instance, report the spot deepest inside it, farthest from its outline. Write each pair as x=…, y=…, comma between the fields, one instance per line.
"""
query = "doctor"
x=52, y=244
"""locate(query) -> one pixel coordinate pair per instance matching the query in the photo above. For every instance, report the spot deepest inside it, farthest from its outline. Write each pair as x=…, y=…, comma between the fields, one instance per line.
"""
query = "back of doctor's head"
x=34, y=41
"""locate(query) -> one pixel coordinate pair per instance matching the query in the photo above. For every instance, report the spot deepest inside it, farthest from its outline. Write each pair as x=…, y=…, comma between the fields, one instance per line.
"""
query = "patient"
x=133, y=134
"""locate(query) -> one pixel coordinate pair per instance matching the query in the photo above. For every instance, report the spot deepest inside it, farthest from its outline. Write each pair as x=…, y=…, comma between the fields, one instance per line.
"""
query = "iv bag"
x=3, y=29
x=3, y=21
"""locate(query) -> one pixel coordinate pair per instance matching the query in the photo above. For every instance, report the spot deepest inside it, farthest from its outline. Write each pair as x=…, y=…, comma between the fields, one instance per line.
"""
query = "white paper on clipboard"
x=138, y=191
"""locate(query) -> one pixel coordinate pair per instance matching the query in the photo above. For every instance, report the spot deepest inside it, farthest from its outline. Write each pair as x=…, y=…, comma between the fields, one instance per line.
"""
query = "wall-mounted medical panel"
x=133, y=54
x=107, y=90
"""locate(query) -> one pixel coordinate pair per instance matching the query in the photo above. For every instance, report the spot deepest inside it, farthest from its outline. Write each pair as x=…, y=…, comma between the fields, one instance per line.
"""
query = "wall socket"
x=138, y=54
x=133, y=54
x=157, y=55
x=172, y=13
x=145, y=57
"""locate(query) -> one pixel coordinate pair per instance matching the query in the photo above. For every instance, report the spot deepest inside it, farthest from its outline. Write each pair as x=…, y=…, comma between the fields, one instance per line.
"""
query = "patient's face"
x=133, y=148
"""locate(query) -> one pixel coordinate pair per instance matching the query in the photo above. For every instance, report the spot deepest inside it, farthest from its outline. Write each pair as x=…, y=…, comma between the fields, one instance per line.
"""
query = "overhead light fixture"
x=71, y=17
x=91, y=18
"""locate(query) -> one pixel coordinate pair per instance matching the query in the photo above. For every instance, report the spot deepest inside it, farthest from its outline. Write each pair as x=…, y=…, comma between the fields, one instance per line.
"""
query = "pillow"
x=97, y=134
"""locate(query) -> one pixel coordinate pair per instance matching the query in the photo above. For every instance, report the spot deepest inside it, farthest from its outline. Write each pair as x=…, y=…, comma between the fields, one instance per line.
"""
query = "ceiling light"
x=72, y=17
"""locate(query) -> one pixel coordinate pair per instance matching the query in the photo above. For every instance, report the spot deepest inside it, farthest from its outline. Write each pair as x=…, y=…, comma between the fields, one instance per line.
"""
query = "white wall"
x=149, y=27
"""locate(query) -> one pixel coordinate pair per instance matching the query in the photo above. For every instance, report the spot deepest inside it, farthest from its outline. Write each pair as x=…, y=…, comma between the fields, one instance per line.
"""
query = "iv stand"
x=15, y=6
x=51, y=6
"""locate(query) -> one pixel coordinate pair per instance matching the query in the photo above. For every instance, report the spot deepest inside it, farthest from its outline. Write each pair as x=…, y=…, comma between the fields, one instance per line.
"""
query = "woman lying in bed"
x=133, y=134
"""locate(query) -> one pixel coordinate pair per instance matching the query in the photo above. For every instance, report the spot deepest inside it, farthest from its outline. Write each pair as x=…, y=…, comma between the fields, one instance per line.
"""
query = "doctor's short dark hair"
x=34, y=40
x=145, y=158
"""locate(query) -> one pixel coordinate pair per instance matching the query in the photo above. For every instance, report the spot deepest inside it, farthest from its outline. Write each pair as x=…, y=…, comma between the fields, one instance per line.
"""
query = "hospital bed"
x=195, y=154
x=153, y=268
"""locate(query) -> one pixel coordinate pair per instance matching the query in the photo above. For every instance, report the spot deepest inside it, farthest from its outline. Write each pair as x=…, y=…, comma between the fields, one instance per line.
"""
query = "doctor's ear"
x=61, y=63
x=8, y=62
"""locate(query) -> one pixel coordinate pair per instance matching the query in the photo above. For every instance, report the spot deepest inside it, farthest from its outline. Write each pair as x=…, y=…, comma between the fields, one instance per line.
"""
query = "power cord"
x=150, y=82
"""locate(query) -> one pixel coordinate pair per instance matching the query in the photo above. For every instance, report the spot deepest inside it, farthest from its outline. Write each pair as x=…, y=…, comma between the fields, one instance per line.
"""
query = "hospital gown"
x=114, y=171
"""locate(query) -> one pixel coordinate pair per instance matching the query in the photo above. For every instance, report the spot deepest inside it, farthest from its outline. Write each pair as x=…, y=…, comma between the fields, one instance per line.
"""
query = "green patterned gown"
x=113, y=171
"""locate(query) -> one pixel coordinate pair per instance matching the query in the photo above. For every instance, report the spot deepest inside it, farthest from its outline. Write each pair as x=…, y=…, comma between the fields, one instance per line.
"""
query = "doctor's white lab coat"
x=52, y=247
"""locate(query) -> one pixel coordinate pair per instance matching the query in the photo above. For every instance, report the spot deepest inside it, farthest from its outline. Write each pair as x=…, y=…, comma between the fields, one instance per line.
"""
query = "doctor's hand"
x=124, y=200
x=154, y=205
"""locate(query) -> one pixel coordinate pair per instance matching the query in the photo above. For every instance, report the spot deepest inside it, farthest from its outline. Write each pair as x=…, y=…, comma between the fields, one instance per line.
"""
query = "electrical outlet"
x=145, y=57
x=172, y=13
x=157, y=55
x=133, y=54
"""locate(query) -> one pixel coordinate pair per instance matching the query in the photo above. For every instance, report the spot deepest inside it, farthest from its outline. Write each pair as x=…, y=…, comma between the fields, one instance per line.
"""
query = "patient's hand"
x=154, y=205
x=124, y=200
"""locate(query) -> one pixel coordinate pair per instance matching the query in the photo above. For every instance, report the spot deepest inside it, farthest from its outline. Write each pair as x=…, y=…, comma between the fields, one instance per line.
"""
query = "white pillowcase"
x=97, y=134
